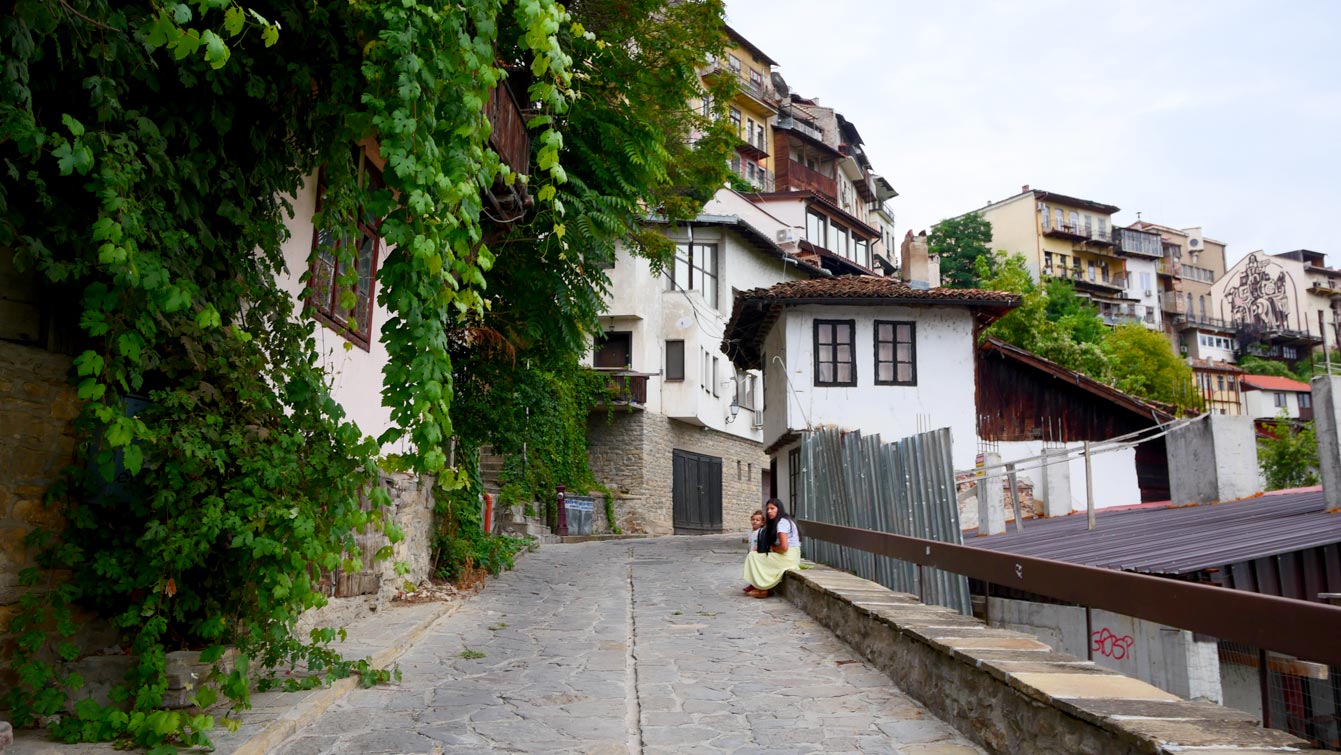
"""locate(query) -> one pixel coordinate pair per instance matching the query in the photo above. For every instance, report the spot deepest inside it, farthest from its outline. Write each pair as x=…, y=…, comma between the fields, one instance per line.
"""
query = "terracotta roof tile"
x=876, y=287
x=756, y=310
x=1273, y=383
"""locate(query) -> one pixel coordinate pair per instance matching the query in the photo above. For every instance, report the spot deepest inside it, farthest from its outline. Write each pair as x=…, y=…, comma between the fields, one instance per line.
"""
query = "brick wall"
x=631, y=453
x=36, y=441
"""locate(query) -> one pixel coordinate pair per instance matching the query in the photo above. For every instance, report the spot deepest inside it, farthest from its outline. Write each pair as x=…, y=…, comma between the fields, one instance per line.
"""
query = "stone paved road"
x=641, y=646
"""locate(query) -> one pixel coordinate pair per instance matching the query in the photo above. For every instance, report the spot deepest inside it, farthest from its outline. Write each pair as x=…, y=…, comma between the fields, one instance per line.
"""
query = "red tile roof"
x=757, y=309
x=878, y=287
x=1273, y=383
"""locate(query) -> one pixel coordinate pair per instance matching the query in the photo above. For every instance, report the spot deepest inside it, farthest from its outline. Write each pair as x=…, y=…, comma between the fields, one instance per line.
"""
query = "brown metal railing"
x=1296, y=627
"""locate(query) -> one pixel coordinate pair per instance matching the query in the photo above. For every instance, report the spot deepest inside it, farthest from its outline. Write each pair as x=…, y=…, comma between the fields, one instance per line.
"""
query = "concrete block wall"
x=632, y=452
x=1214, y=459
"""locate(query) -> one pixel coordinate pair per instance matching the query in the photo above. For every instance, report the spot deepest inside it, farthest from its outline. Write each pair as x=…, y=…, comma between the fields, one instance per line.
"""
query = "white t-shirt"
x=754, y=539
x=793, y=536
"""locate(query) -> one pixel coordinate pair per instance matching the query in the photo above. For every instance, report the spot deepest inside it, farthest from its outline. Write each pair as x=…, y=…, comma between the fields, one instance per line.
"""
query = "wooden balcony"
x=798, y=177
x=624, y=389
x=511, y=141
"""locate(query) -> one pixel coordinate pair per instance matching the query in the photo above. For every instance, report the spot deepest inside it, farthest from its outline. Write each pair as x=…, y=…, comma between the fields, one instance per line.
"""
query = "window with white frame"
x=816, y=230
x=695, y=269
x=1279, y=398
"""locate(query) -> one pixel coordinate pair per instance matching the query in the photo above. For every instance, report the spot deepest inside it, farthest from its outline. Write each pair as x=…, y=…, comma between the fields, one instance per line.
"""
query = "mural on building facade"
x=1262, y=296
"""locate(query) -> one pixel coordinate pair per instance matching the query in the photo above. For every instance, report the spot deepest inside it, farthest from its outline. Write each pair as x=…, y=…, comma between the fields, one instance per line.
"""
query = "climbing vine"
x=151, y=152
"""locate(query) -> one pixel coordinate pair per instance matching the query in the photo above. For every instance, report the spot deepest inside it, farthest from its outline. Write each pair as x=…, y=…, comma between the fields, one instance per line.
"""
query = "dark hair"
x=765, y=544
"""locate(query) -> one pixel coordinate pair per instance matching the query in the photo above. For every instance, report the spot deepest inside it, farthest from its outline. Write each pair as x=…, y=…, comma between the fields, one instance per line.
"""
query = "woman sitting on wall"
x=779, y=549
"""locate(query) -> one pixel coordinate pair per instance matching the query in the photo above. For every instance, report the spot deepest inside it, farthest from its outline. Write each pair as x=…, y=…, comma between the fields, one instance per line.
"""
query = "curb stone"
x=307, y=711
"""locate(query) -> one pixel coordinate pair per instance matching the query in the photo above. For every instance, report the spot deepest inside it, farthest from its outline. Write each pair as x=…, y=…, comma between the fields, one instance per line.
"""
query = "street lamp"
x=735, y=410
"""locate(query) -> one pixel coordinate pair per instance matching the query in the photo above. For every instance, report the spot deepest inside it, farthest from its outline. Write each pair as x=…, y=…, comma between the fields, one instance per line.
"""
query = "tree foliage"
x=1142, y=363
x=1057, y=324
x=149, y=153
x=1289, y=459
x=1255, y=365
x=961, y=242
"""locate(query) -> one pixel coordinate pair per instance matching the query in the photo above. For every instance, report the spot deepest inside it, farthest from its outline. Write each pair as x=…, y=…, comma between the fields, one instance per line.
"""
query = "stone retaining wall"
x=631, y=453
x=1010, y=692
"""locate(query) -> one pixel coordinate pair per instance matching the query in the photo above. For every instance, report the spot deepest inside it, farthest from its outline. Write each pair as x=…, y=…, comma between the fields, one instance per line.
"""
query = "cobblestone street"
x=642, y=646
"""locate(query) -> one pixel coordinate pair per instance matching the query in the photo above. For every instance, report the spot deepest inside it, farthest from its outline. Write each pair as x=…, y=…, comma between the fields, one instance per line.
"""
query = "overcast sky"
x=1217, y=113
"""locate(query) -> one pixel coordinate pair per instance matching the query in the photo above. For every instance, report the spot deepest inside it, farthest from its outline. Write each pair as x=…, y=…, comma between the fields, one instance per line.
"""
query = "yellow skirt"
x=764, y=570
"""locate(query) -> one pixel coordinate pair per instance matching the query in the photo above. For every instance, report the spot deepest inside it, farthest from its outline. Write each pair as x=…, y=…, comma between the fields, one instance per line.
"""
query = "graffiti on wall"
x=1262, y=295
x=1111, y=645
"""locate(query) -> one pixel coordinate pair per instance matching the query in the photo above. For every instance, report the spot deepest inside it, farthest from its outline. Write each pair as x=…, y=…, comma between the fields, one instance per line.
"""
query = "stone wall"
x=37, y=405
x=1007, y=690
x=631, y=453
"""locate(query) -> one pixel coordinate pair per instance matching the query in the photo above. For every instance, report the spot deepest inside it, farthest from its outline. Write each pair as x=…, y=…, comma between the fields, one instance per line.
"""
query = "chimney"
x=1024, y=189
x=919, y=269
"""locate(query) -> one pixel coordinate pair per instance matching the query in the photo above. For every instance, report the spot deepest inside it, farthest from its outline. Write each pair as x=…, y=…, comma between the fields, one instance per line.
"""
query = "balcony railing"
x=796, y=124
x=1139, y=243
x=625, y=388
x=760, y=179
x=1078, y=232
x=1092, y=276
x=762, y=91
x=801, y=178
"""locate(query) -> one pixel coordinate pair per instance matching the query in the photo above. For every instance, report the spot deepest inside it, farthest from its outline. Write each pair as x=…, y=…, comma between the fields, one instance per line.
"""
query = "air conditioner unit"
x=1148, y=292
x=1042, y=207
x=786, y=235
x=1195, y=243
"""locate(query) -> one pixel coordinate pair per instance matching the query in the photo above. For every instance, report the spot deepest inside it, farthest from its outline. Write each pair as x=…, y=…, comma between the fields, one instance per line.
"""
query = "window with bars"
x=895, y=352
x=338, y=296
x=835, y=351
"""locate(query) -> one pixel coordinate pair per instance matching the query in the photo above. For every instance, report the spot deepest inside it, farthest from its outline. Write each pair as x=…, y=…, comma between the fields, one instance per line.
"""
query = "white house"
x=682, y=449
x=1266, y=396
x=861, y=352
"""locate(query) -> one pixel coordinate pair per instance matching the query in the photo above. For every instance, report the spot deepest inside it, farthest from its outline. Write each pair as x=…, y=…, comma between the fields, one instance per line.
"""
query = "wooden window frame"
x=852, y=350
x=894, y=343
x=323, y=306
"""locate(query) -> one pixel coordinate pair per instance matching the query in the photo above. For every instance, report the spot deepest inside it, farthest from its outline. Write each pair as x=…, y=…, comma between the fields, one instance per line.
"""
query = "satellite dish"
x=682, y=323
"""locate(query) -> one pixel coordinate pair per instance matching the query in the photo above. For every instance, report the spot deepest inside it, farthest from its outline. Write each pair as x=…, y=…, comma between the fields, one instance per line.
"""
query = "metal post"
x=1263, y=674
x=1015, y=498
x=1326, y=355
x=1089, y=486
x=562, y=529
x=1089, y=634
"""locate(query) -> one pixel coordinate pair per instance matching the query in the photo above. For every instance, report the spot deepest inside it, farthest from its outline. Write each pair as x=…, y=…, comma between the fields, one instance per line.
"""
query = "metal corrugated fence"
x=905, y=488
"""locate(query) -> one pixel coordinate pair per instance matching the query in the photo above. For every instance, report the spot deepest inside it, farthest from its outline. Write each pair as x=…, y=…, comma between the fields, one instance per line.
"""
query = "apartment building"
x=1074, y=239
x=680, y=443
x=752, y=109
x=1272, y=303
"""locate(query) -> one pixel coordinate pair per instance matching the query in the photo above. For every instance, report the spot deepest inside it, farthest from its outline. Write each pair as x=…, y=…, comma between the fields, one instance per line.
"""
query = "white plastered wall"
x=943, y=397
x=354, y=375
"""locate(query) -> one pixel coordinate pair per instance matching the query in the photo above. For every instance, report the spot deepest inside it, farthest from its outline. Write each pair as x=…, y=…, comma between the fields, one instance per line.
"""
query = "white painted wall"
x=943, y=396
x=1138, y=268
x=644, y=305
x=1210, y=346
x=354, y=375
x=1115, y=482
x=1262, y=404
